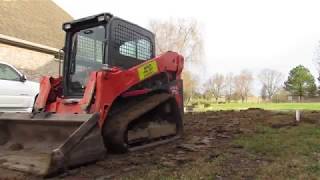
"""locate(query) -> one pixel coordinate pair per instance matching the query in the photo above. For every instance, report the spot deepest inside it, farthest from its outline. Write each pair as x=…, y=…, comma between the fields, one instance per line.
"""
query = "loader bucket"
x=46, y=144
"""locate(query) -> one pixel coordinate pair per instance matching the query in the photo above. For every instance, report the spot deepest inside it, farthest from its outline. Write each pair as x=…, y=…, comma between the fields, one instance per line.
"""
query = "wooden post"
x=298, y=114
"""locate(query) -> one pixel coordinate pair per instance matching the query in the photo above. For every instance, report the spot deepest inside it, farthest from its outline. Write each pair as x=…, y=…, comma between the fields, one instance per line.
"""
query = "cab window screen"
x=132, y=44
x=87, y=54
x=90, y=49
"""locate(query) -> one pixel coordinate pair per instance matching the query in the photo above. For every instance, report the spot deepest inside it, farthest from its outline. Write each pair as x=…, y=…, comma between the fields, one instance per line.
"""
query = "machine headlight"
x=101, y=18
x=66, y=26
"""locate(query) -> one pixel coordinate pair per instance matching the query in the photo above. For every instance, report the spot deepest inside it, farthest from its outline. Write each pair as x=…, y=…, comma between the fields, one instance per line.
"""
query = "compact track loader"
x=114, y=96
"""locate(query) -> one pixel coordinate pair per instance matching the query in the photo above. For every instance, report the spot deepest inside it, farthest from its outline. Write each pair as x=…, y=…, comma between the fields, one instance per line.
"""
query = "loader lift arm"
x=114, y=95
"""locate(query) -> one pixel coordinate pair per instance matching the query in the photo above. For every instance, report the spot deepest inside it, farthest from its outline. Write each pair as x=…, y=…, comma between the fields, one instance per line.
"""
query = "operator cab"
x=102, y=40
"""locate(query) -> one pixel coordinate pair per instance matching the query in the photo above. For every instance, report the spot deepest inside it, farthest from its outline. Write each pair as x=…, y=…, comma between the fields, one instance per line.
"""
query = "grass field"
x=267, y=106
x=293, y=153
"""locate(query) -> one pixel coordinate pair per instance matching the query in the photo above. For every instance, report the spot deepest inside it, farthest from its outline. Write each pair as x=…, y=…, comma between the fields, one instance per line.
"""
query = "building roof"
x=38, y=21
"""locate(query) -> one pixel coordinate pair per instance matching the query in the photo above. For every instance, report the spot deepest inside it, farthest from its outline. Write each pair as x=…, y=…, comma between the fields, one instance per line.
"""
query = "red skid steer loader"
x=114, y=96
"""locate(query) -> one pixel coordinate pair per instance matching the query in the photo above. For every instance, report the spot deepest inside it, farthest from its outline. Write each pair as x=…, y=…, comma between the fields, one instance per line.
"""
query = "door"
x=86, y=56
x=14, y=95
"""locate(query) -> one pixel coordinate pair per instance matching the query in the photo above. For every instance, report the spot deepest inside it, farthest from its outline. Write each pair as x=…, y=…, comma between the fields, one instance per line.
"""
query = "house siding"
x=34, y=64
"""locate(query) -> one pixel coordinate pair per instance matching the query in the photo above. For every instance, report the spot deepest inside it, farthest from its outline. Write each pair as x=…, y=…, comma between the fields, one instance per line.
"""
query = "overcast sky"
x=238, y=34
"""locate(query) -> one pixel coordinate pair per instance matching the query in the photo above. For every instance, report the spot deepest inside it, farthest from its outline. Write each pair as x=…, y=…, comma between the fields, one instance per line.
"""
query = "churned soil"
x=206, y=150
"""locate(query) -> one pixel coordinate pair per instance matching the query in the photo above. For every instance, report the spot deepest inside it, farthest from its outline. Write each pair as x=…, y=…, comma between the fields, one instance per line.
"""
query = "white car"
x=17, y=94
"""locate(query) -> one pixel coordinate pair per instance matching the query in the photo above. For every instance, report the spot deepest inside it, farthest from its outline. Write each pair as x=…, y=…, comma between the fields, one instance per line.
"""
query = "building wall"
x=34, y=64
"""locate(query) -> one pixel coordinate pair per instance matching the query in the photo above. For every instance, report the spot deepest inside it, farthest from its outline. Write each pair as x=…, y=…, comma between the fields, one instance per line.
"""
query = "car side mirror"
x=23, y=78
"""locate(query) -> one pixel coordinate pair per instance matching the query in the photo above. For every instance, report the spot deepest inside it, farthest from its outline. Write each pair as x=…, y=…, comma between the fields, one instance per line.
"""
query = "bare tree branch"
x=271, y=80
x=216, y=85
x=243, y=83
x=182, y=36
x=229, y=87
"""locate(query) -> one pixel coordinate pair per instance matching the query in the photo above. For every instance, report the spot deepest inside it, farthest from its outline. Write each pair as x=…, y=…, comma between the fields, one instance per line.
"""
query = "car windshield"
x=86, y=56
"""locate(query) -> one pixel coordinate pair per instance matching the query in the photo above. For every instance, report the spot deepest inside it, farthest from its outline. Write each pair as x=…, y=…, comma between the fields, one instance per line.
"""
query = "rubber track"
x=115, y=127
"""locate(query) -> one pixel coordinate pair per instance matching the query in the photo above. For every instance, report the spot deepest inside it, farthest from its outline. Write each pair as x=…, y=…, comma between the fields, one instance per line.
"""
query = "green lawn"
x=267, y=106
x=292, y=153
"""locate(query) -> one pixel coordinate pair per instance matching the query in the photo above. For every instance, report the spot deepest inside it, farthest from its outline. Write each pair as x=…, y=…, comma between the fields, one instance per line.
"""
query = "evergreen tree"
x=301, y=82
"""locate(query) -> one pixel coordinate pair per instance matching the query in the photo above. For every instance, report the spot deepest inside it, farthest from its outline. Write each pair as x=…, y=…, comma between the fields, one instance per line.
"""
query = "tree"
x=280, y=96
x=229, y=87
x=190, y=84
x=215, y=85
x=301, y=82
x=182, y=36
x=316, y=57
x=271, y=81
x=263, y=93
x=243, y=83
